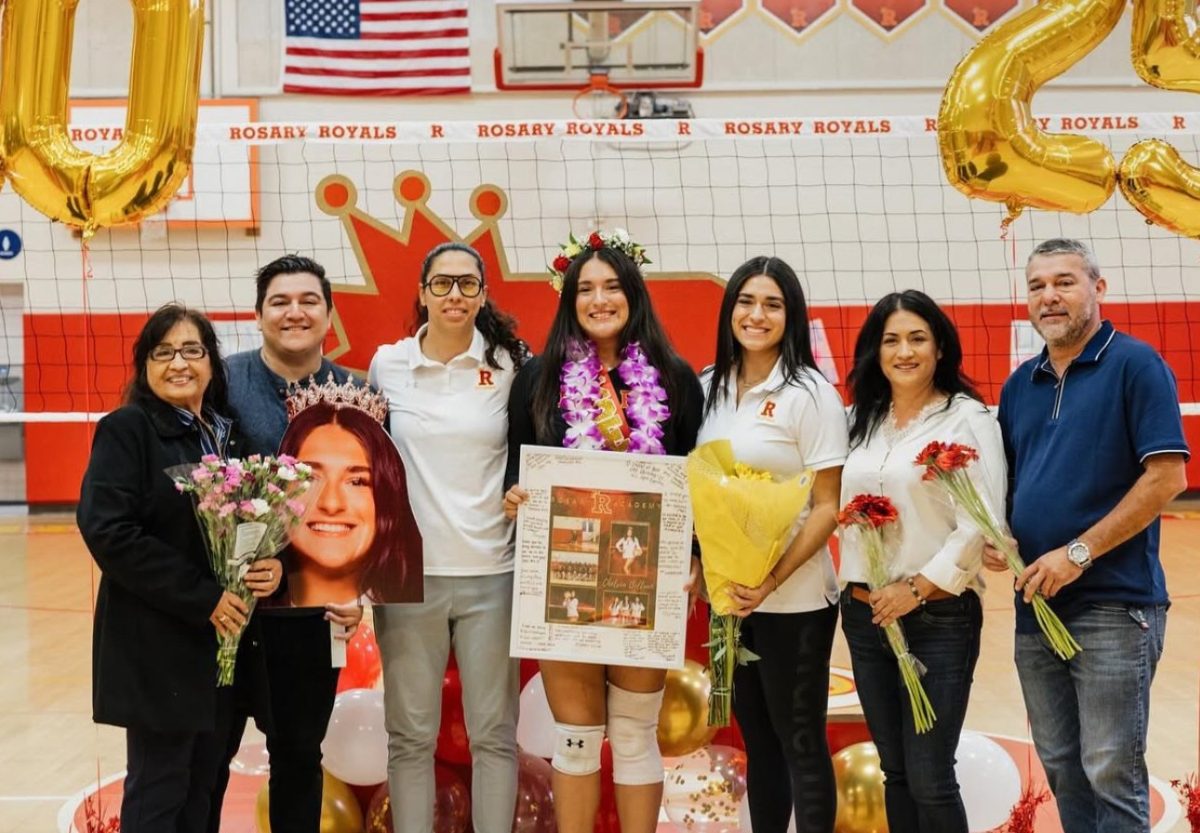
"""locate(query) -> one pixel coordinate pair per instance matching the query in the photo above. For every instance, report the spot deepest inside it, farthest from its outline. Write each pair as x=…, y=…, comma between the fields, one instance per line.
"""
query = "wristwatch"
x=1079, y=554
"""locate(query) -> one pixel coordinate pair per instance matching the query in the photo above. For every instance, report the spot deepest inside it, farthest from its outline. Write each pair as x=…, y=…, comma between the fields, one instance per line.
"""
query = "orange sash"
x=612, y=424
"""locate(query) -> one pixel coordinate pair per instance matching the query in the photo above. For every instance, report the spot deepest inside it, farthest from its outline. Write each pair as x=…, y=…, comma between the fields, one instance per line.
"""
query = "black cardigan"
x=154, y=651
x=679, y=431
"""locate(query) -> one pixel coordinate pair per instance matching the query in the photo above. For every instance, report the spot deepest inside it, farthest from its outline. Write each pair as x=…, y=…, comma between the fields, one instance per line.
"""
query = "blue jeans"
x=920, y=788
x=1089, y=715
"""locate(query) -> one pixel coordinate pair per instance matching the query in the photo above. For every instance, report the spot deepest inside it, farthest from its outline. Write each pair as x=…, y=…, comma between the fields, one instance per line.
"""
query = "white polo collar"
x=417, y=357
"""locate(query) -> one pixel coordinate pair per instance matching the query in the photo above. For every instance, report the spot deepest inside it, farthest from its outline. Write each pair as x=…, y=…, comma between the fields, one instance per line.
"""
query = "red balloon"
x=451, y=807
x=529, y=670
x=366, y=794
x=363, y=663
x=535, y=796
x=730, y=735
x=452, y=745
x=452, y=802
x=378, y=816
x=697, y=635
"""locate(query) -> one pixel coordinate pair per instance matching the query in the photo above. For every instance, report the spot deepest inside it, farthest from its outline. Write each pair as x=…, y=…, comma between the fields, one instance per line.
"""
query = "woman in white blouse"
x=765, y=395
x=908, y=388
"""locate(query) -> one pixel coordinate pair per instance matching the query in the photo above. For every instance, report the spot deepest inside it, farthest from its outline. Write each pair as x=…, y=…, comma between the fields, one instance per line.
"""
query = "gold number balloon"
x=990, y=144
x=139, y=176
x=1165, y=52
x=1153, y=177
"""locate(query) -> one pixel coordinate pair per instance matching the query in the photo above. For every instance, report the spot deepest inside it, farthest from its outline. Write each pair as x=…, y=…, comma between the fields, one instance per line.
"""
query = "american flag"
x=376, y=47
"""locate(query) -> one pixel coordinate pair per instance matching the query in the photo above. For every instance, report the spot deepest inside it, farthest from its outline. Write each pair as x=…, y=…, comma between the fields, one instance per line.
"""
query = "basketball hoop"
x=600, y=100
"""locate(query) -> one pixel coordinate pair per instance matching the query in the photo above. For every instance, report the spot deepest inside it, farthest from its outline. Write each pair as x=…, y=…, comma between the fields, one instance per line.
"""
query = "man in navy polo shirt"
x=1095, y=448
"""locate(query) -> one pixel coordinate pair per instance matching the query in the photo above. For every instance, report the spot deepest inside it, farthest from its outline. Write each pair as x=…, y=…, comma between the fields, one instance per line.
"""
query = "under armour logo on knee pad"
x=576, y=742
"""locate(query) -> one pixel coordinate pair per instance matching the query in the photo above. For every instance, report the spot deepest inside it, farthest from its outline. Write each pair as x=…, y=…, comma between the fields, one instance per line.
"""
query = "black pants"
x=170, y=776
x=301, y=686
x=780, y=702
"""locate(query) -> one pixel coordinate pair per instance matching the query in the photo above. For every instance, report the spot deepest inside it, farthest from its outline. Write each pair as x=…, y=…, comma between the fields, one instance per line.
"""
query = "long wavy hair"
x=643, y=327
x=499, y=329
x=387, y=575
x=795, y=350
x=160, y=322
x=870, y=391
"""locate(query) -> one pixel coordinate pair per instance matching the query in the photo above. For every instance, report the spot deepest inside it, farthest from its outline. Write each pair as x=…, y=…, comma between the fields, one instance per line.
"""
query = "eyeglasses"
x=468, y=285
x=167, y=353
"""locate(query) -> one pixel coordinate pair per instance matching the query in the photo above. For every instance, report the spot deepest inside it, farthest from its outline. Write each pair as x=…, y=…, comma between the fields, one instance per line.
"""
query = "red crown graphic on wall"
x=382, y=309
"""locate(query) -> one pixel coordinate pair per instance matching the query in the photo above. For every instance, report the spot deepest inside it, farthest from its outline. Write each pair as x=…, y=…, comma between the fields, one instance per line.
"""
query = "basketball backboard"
x=638, y=44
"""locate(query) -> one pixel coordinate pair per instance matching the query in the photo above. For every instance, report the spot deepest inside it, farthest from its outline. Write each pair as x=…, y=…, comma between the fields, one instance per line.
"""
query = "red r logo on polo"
x=485, y=379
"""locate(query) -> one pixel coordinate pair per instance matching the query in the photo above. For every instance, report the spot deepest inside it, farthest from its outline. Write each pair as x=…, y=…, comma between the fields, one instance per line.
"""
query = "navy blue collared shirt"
x=1075, y=446
x=214, y=429
x=258, y=397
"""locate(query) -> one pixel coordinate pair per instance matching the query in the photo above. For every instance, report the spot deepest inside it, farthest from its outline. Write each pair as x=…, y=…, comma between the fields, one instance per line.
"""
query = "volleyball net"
x=858, y=206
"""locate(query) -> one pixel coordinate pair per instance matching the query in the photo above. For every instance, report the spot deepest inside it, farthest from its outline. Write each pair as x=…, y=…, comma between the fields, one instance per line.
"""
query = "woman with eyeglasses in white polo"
x=448, y=385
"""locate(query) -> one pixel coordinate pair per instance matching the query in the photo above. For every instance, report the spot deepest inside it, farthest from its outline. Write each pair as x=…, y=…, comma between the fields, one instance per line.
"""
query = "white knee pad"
x=577, y=748
x=633, y=736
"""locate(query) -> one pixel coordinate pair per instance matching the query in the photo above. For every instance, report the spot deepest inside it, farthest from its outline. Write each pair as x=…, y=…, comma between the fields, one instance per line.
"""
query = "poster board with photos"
x=603, y=551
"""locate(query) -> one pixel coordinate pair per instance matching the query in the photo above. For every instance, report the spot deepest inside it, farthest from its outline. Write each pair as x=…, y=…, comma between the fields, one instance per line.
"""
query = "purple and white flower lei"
x=646, y=408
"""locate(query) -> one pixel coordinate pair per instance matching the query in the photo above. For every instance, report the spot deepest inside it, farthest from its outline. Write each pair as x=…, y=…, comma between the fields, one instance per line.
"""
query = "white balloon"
x=535, y=726
x=355, y=748
x=251, y=759
x=988, y=780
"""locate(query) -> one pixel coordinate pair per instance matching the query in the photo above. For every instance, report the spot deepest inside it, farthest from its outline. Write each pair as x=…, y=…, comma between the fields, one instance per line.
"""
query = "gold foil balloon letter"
x=1153, y=177
x=991, y=145
x=138, y=177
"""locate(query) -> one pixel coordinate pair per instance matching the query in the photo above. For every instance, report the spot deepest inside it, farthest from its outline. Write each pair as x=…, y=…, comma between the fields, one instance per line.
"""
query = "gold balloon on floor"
x=683, y=722
x=340, y=812
x=859, y=790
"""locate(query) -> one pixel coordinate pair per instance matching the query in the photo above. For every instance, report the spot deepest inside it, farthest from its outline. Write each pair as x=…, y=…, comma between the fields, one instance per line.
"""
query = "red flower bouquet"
x=869, y=515
x=946, y=463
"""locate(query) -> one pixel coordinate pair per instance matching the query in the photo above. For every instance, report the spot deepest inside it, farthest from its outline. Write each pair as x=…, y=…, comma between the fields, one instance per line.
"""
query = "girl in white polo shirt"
x=448, y=386
x=765, y=395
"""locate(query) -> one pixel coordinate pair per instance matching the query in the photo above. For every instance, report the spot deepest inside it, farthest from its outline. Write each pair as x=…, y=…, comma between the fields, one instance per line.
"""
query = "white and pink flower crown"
x=618, y=239
x=349, y=395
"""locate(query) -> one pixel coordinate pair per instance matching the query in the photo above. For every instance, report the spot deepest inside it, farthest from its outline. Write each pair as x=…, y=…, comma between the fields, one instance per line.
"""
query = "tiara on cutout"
x=348, y=395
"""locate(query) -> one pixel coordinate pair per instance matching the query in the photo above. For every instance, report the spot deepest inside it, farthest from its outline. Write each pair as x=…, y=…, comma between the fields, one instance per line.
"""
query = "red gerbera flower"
x=875, y=510
x=938, y=457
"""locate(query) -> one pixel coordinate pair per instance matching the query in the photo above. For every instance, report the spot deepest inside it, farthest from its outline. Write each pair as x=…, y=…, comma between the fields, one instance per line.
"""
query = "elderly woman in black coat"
x=160, y=608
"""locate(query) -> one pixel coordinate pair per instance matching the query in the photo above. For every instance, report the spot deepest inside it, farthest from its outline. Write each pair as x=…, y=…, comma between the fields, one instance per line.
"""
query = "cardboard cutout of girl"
x=358, y=539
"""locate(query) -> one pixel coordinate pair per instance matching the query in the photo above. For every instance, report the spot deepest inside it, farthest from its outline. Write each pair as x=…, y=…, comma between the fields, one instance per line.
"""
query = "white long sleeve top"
x=934, y=538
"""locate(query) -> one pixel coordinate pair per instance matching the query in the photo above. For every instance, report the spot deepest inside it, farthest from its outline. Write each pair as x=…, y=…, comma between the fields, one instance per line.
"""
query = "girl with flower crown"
x=766, y=396
x=608, y=379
